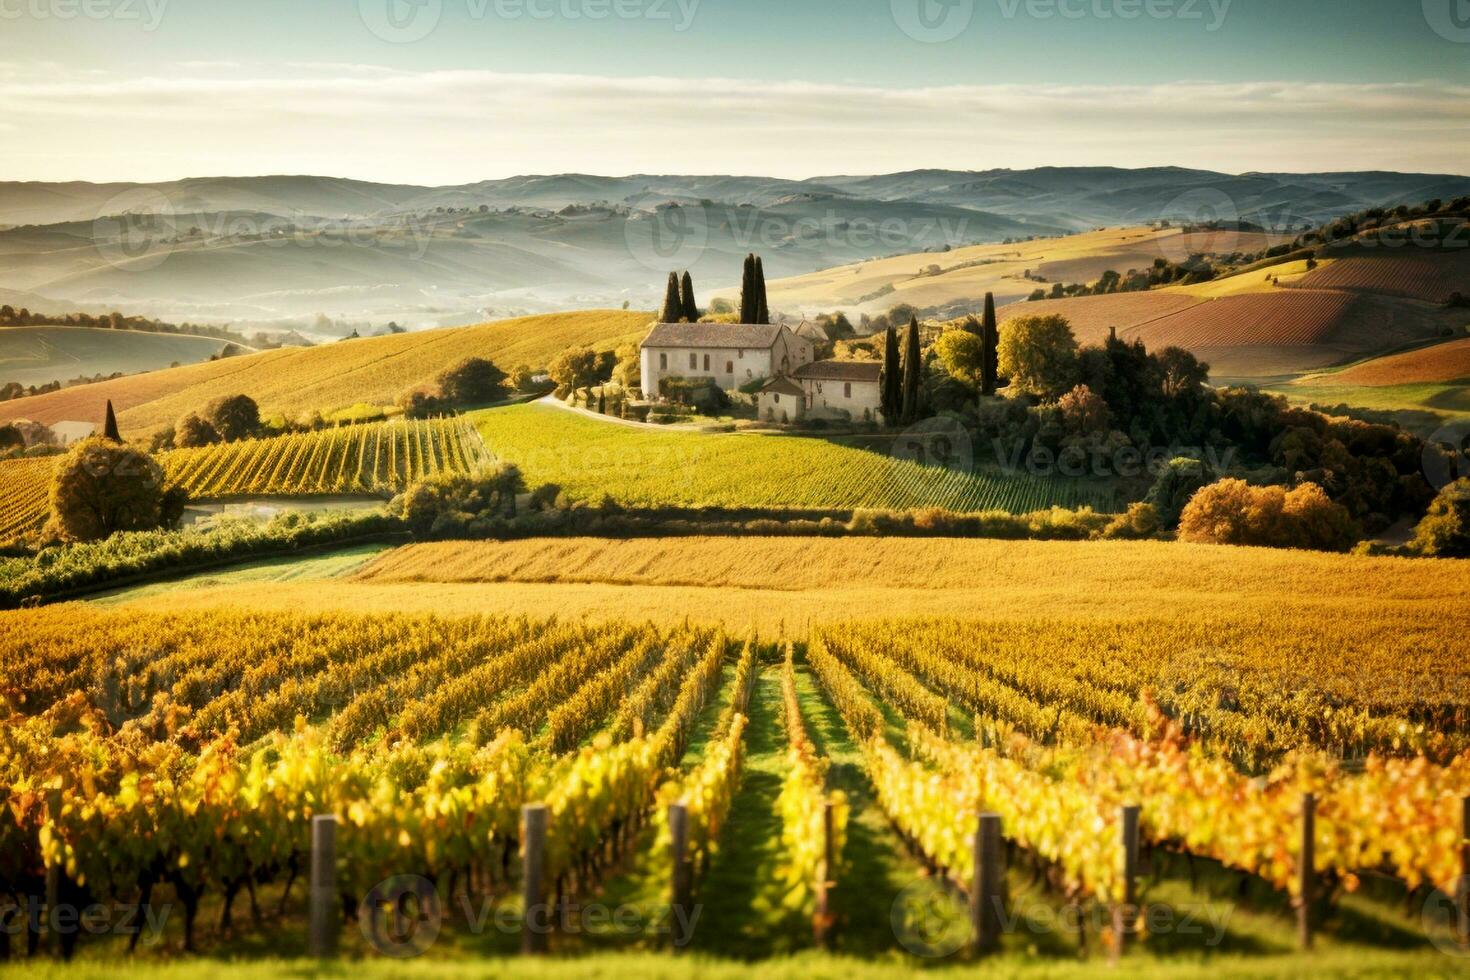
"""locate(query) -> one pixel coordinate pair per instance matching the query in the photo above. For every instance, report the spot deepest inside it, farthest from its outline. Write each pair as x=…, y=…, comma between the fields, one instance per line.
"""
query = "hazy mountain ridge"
x=278, y=250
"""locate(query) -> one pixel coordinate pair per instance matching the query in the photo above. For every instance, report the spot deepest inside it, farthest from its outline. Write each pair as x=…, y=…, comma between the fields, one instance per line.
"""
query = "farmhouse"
x=729, y=354
x=836, y=387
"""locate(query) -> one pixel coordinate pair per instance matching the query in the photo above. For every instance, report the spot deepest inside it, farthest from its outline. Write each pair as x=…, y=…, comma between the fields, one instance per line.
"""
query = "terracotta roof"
x=841, y=371
x=753, y=336
x=784, y=386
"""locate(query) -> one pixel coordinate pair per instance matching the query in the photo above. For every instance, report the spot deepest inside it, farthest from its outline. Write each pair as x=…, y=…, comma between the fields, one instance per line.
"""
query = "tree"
x=601, y=402
x=892, y=379
x=961, y=354
x=1445, y=530
x=11, y=438
x=628, y=372
x=234, y=417
x=691, y=309
x=1039, y=355
x=749, y=305
x=673, y=310
x=912, y=374
x=102, y=487
x=521, y=378
x=109, y=426
x=575, y=367
x=457, y=504
x=1175, y=485
x=191, y=431
x=1083, y=411
x=473, y=381
x=990, y=341
x=762, y=309
x=1181, y=372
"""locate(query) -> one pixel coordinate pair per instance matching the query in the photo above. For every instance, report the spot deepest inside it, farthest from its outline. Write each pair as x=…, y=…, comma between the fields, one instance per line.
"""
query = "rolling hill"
x=278, y=250
x=40, y=355
x=291, y=381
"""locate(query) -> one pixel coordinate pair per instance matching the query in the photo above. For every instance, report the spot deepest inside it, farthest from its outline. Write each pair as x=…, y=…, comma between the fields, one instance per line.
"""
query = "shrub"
x=234, y=417
x=102, y=488
x=1234, y=512
x=419, y=404
x=473, y=381
x=452, y=504
x=191, y=430
x=1445, y=530
x=1141, y=522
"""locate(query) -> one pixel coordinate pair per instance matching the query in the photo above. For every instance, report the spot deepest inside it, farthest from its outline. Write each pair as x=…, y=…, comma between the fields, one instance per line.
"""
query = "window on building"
x=706, y=362
x=694, y=362
x=729, y=367
x=775, y=396
x=847, y=390
x=663, y=362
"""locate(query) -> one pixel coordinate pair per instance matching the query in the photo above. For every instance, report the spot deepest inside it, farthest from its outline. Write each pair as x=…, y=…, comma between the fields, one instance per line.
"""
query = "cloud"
x=469, y=124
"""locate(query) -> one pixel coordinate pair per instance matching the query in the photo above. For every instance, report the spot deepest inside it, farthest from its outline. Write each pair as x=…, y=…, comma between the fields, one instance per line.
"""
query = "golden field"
x=787, y=583
x=296, y=380
x=967, y=274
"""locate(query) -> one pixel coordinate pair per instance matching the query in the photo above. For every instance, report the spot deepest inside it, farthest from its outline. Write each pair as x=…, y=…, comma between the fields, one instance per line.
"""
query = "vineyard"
x=25, y=488
x=646, y=468
x=367, y=459
x=164, y=757
x=293, y=381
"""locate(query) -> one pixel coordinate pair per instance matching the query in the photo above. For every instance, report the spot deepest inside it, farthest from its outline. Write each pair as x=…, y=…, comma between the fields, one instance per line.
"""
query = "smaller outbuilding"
x=781, y=400
x=843, y=389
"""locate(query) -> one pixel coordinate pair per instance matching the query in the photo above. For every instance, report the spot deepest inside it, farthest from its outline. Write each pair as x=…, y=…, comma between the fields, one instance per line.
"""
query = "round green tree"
x=102, y=487
x=1039, y=355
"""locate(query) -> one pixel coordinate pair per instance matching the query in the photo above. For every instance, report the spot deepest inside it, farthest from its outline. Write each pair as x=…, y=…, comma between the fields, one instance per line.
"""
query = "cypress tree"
x=989, y=349
x=673, y=304
x=762, y=311
x=747, y=291
x=109, y=428
x=691, y=311
x=892, y=383
x=911, y=374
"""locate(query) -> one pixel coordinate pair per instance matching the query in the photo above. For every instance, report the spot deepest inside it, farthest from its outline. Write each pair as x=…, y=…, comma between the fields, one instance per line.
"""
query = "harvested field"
x=1442, y=362
x=1431, y=276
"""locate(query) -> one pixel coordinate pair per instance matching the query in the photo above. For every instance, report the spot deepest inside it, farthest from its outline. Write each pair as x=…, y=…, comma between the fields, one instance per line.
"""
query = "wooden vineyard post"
x=1125, y=914
x=822, y=924
x=987, y=893
x=535, y=919
x=679, y=909
x=323, y=907
x=1306, y=870
x=1462, y=898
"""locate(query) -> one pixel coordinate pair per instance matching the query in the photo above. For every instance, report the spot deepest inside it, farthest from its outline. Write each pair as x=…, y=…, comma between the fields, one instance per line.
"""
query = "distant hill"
x=40, y=355
x=278, y=250
x=293, y=381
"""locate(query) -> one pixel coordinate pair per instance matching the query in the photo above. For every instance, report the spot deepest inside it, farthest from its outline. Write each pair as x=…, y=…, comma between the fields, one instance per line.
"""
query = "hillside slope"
x=40, y=355
x=292, y=381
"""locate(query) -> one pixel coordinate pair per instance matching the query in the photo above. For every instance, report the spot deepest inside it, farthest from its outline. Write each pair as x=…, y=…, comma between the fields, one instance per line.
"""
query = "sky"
x=454, y=91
